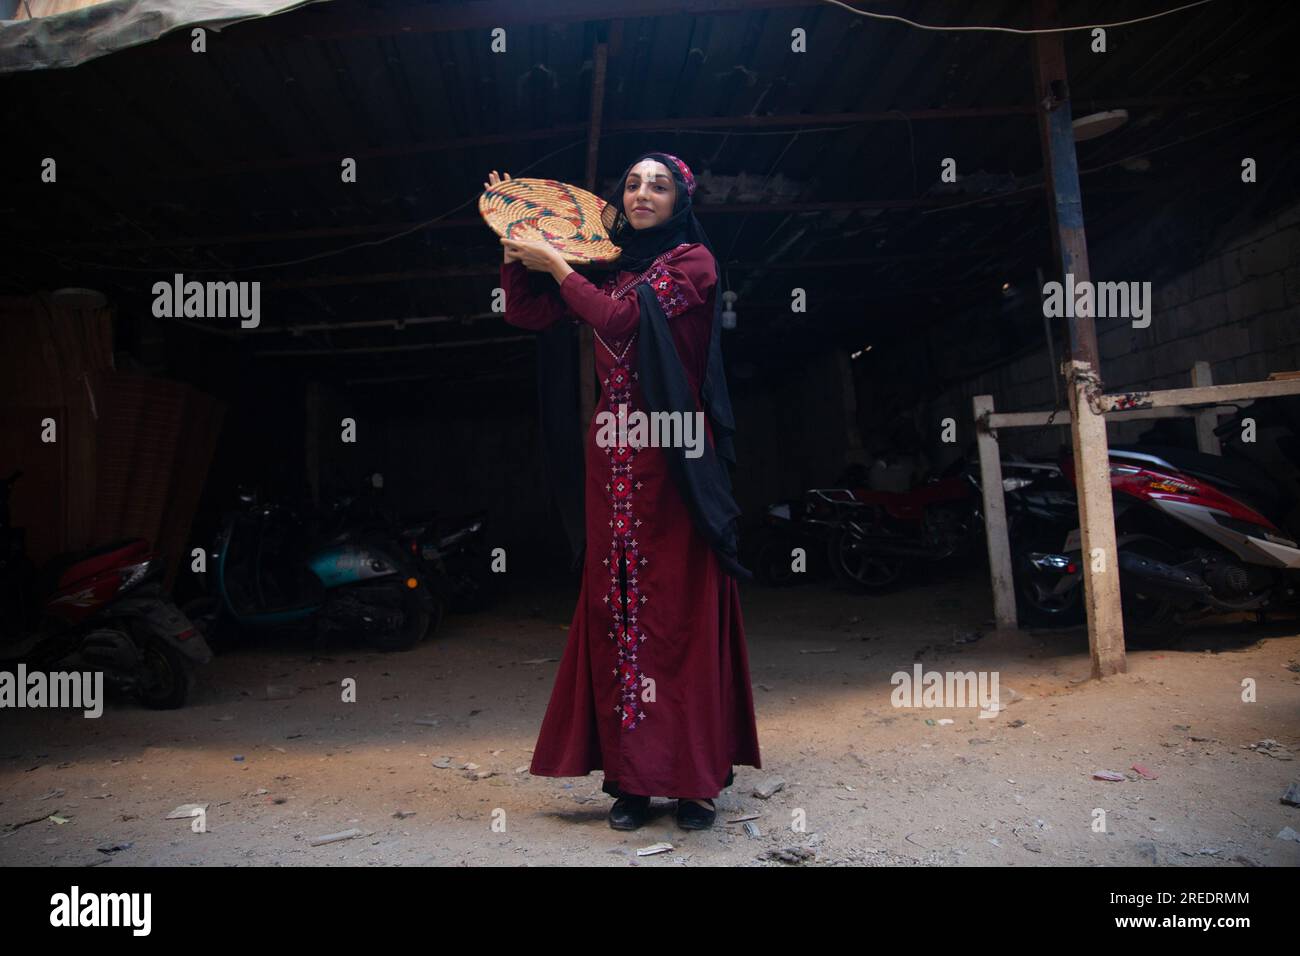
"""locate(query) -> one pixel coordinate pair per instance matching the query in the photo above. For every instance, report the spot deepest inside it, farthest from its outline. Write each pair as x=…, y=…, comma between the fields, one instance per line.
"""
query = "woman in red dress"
x=653, y=686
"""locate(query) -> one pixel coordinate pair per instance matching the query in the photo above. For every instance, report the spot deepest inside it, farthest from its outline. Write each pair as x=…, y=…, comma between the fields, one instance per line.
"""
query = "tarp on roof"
x=67, y=39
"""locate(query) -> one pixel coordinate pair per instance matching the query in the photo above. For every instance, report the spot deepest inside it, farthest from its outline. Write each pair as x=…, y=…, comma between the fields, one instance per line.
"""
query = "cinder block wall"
x=1239, y=310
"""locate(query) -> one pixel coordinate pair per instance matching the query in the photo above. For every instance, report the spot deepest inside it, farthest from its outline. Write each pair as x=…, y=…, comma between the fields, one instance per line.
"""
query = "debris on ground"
x=334, y=837
x=793, y=855
x=1270, y=748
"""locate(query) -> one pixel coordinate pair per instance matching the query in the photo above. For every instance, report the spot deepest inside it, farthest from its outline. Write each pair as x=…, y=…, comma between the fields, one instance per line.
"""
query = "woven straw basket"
x=572, y=220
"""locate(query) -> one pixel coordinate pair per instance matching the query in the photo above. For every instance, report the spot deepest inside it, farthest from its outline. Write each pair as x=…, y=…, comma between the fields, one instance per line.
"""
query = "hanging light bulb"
x=728, y=313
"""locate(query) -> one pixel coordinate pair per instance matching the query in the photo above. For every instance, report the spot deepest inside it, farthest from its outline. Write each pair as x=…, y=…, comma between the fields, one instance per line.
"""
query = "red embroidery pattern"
x=621, y=491
x=617, y=291
x=668, y=291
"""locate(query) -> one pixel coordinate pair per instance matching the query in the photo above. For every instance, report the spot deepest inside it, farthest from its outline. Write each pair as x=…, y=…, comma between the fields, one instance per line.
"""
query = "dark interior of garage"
x=884, y=201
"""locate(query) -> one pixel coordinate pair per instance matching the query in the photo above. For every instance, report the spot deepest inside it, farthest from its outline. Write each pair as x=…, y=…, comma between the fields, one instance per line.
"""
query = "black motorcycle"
x=1042, y=515
x=458, y=560
x=806, y=523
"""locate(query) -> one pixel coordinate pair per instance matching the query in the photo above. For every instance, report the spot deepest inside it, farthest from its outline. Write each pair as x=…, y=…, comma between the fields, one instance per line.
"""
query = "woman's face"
x=649, y=194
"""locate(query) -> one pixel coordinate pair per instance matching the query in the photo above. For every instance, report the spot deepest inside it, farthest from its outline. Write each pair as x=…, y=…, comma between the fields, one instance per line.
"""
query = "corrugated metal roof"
x=817, y=169
x=56, y=34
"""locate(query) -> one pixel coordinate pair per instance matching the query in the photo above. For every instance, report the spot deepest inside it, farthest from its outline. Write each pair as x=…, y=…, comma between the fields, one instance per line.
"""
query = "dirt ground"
x=278, y=757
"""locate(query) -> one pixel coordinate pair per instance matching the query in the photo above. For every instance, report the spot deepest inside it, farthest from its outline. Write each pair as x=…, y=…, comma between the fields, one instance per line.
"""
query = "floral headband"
x=610, y=214
x=686, y=174
x=681, y=167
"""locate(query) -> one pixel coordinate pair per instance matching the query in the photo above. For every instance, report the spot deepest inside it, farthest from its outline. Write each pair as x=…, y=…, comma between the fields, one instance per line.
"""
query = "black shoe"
x=692, y=816
x=629, y=813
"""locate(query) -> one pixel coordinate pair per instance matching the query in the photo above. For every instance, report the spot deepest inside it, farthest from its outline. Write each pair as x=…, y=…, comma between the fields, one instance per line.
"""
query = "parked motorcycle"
x=457, y=560
x=879, y=537
x=806, y=523
x=1042, y=511
x=873, y=538
x=270, y=569
x=1200, y=534
x=16, y=572
x=100, y=610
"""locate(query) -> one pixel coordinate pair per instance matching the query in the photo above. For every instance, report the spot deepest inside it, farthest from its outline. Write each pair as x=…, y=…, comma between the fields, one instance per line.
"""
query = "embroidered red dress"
x=653, y=686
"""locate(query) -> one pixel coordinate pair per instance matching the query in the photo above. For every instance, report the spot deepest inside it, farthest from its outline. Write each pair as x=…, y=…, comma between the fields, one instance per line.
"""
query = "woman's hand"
x=537, y=256
x=494, y=180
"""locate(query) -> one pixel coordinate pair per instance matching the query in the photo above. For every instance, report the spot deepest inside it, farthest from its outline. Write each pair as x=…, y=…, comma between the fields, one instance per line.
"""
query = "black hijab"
x=704, y=482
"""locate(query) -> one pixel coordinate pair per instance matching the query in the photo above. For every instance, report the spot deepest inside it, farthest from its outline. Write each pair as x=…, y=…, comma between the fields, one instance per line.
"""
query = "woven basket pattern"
x=566, y=217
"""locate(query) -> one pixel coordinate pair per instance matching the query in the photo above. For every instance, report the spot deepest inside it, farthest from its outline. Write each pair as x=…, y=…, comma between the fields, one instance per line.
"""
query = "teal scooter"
x=268, y=572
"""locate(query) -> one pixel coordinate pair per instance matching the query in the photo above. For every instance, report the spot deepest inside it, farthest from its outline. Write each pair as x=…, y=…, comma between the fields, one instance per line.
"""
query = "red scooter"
x=878, y=536
x=99, y=610
x=1197, y=534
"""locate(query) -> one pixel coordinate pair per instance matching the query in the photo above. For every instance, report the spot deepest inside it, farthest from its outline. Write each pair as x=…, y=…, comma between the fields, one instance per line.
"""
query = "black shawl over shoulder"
x=704, y=482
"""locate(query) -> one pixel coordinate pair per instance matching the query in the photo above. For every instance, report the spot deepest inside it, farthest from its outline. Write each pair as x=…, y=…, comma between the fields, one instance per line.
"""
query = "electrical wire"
x=1016, y=30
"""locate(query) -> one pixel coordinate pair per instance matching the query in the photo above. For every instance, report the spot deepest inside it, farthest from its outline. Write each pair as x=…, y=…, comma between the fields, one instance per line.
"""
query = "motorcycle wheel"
x=415, y=622
x=1146, y=618
x=472, y=592
x=437, y=617
x=209, y=617
x=856, y=567
x=1036, y=603
x=772, y=562
x=167, y=678
x=954, y=532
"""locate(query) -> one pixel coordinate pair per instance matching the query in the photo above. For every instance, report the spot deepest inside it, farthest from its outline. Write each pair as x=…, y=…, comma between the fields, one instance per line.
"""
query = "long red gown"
x=678, y=733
